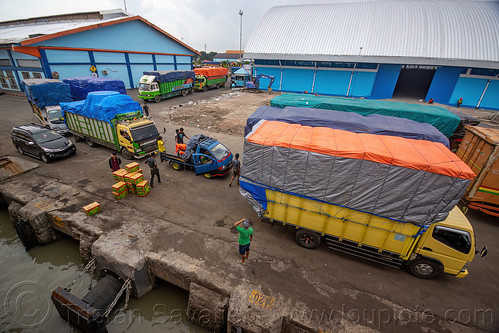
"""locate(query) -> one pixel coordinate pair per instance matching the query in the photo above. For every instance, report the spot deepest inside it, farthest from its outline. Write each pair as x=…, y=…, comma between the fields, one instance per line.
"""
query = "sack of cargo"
x=401, y=179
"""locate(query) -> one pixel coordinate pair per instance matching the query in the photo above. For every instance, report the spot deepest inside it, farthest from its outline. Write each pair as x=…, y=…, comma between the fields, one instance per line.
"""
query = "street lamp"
x=241, y=38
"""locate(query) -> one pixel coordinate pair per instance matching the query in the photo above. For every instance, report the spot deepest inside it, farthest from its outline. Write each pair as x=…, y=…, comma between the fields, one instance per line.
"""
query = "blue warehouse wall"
x=443, y=84
x=491, y=98
x=470, y=89
x=362, y=84
x=276, y=72
x=297, y=80
x=329, y=82
x=385, y=82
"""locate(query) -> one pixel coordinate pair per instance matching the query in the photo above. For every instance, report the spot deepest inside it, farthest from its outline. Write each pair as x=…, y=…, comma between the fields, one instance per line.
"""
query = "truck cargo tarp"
x=46, y=92
x=168, y=76
x=102, y=105
x=191, y=146
x=444, y=120
x=81, y=86
x=348, y=121
x=211, y=71
x=406, y=180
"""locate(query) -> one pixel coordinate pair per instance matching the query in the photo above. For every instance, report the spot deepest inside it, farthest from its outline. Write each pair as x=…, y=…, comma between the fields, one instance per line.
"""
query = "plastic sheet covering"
x=46, y=92
x=211, y=71
x=401, y=179
x=102, y=105
x=444, y=120
x=167, y=76
x=348, y=121
x=192, y=145
x=81, y=86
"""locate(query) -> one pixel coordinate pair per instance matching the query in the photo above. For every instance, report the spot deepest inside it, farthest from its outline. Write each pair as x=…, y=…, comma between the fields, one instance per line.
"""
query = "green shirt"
x=244, y=235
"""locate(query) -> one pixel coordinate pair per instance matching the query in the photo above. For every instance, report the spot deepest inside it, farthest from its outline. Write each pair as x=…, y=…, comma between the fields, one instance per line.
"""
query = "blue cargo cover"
x=102, y=105
x=81, y=86
x=444, y=120
x=46, y=92
x=168, y=76
x=348, y=121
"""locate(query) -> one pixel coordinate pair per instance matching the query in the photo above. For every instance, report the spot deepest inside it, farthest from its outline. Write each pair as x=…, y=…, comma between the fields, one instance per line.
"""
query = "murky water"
x=28, y=278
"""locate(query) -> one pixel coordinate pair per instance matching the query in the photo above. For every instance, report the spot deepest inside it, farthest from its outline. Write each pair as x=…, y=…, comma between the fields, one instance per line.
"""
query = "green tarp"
x=444, y=120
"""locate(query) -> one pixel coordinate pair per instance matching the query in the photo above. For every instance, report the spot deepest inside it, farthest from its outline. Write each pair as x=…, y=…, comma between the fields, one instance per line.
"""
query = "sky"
x=205, y=25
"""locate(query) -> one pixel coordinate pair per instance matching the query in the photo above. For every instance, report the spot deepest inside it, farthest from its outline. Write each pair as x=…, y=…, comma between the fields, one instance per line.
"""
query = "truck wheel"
x=177, y=166
x=307, y=239
x=44, y=158
x=184, y=92
x=126, y=154
x=217, y=86
x=205, y=88
x=207, y=175
x=77, y=138
x=90, y=142
x=424, y=268
x=157, y=98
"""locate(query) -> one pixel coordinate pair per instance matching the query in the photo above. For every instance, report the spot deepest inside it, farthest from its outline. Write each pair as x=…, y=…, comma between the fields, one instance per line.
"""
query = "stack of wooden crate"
x=120, y=190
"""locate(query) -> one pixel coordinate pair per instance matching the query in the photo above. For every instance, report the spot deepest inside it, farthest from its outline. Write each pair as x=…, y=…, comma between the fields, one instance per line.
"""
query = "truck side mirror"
x=483, y=252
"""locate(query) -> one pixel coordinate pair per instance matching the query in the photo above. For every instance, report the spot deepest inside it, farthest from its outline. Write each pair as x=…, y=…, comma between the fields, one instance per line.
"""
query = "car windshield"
x=220, y=151
x=55, y=117
x=46, y=136
x=144, y=86
x=144, y=132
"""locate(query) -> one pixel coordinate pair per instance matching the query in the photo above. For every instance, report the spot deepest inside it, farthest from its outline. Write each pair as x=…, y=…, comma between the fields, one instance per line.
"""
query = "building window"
x=332, y=64
x=11, y=79
x=3, y=80
x=366, y=65
x=5, y=62
x=484, y=71
x=25, y=75
x=29, y=63
x=37, y=75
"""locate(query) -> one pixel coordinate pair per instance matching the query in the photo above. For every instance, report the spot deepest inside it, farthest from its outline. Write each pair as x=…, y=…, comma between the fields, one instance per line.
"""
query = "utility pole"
x=241, y=38
x=124, y=1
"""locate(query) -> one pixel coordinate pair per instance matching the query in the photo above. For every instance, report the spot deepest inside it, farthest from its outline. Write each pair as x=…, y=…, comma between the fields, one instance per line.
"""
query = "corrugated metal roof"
x=425, y=32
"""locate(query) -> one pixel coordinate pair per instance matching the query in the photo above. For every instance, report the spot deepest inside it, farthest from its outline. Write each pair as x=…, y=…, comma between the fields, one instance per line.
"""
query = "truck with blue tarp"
x=159, y=85
x=442, y=119
x=44, y=96
x=112, y=120
x=348, y=121
x=81, y=86
x=205, y=155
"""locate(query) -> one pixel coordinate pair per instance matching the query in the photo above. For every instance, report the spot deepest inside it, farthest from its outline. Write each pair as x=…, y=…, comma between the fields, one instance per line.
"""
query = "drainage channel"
x=29, y=277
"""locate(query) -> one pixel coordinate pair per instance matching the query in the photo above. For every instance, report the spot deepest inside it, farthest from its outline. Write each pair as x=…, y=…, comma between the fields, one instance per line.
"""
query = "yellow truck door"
x=124, y=138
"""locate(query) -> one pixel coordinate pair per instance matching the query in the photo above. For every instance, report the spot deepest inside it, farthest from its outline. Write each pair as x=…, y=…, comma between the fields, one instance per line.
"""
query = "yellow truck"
x=387, y=199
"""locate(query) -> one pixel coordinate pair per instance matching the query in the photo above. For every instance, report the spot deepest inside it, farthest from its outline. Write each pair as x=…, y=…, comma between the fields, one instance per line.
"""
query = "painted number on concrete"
x=58, y=222
x=261, y=300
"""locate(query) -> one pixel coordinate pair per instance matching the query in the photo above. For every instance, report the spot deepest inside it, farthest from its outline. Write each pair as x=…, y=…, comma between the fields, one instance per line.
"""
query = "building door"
x=414, y=81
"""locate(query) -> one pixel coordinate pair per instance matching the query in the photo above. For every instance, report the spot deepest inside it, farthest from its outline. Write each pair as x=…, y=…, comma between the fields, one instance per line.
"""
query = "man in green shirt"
x=245, y=238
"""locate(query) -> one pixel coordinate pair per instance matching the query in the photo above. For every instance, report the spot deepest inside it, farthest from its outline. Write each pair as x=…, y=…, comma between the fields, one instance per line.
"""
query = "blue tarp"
x=348, y=121
x=102, y=105
x=46, y=92
x=168, y=76
x=81, y=86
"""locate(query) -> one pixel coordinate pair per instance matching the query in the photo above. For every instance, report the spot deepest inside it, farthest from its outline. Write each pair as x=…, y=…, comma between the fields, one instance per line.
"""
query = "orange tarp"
x=429, y=156
x=211, y=71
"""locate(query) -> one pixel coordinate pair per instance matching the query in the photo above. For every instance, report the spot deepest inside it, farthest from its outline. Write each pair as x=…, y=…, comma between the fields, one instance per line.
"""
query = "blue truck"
x=205, y=155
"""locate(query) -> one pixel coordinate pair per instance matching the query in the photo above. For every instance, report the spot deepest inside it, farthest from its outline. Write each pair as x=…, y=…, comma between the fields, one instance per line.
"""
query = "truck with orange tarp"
x=480, y=151
x=210, y=77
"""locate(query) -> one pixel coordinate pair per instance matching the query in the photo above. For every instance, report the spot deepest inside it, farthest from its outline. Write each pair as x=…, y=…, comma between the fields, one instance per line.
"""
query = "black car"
x=41, y=142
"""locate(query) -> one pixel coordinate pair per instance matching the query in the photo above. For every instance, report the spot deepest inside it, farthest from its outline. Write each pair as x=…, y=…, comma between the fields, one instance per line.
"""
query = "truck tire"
x=307, y=239
x=205, y=88
x=177, y=166
x=184, y=92
x=157, y=98
x=90, y=143
x=77, y=138
x=207, y=175
x=126, y=154
x=217, y=86
x=424, y=268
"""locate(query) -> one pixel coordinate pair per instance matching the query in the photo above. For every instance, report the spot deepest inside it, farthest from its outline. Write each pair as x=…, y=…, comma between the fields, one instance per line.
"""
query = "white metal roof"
x=458, y=33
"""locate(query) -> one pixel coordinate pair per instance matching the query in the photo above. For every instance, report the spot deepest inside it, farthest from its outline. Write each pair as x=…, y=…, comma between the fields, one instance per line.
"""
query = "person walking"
x=114, y=162
x=236, y=169
x=245, y=238
x=153, y=166
x=146, y=109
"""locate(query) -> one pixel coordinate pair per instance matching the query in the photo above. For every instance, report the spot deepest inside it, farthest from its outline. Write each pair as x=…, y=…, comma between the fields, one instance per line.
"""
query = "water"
x=28, y=278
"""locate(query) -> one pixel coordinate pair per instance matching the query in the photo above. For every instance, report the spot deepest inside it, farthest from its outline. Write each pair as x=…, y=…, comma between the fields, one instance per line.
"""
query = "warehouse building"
x=444, y=50
x=111, y=44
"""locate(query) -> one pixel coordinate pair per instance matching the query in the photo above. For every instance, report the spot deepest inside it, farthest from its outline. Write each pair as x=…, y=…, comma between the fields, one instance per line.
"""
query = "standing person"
x=153, y=165
x=182, y=135
x=176, y=136
x=236, y=169
x=146, y=109
x=245, y=238
x=114, y=162
x=161, y=148
x=459, y=102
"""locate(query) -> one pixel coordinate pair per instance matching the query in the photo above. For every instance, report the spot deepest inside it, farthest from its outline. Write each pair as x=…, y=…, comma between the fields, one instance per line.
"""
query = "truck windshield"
x=55, y=116
x=144, y=132
x=220, y=151
x=199, y=80
x=457, y=239
x=144, y=86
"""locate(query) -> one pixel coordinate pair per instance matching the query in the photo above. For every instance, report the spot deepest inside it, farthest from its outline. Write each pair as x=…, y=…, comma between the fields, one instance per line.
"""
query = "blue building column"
x=45, y=64
x=16, y=74
x=175, y=61
x=154, y=62
x=129, y=68
x=92, y=60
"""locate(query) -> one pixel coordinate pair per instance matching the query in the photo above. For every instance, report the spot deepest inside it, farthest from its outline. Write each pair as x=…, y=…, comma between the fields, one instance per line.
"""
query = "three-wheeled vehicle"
x=205, y=155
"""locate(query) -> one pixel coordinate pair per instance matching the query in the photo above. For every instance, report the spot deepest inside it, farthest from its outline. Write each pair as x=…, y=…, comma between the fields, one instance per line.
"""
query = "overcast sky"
x=195, y=22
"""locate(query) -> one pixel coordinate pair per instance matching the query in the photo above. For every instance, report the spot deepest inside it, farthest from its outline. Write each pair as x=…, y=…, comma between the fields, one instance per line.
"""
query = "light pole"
x=241, y=38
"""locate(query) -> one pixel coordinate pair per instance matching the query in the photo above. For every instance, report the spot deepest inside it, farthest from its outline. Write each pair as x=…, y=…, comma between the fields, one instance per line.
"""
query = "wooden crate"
x=119, y=187
x=143, y=188
x=132, y=167
x=135, y=178
x=131, y=188
x=119, y=174
x=92, y=208
x=120, y=195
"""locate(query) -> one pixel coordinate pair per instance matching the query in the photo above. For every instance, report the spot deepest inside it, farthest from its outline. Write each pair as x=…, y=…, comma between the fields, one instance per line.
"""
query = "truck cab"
x=54, y=119
x=200, y=83
x=148, y=87
x=212, y=158
x=137, y=138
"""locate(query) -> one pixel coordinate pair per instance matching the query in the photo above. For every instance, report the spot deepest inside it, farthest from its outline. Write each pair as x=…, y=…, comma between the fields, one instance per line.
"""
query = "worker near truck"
x=161, y=148
x=236, y=169
x=181, y=135
x=153, y=166
x=114, y=162
x=245, y=238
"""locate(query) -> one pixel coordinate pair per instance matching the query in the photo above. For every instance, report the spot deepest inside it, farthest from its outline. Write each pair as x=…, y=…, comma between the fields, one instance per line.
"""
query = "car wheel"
x=20, y=150
x=424, y=268
x=307, y=239
x=157, y=98
x=126, y=154
x=44, y=158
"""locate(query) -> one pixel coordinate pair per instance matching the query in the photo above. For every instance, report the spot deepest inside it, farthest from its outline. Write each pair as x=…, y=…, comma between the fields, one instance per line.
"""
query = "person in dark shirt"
x=153, y=166
x=236, y=169
x=181, y=135
x=114, y=162
x=146, y=110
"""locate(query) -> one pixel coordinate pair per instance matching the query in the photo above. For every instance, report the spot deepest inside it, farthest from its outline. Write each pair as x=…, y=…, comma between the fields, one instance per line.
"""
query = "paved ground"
x=377, y=297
